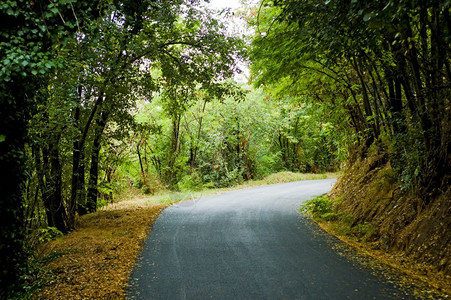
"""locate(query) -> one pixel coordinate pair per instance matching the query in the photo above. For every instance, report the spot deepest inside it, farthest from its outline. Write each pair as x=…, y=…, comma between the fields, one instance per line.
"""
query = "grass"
x=290, y=176
x=95, y=261
x=171, y=197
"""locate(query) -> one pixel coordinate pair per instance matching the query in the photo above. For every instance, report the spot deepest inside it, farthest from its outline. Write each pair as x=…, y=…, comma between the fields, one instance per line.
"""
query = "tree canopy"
x=100, y=98
x=71, y=69
x=382, y=67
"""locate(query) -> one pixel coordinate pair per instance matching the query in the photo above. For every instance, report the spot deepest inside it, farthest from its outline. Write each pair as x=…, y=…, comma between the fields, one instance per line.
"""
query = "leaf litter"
x=95, y=260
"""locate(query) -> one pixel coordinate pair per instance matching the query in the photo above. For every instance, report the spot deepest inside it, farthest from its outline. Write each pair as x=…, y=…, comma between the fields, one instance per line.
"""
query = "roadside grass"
x=171, y=197
x=95, y=260
x=418, y=278
x=290, y=176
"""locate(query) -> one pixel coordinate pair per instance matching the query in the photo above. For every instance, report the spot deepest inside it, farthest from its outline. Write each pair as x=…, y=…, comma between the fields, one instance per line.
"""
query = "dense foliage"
x=381, y=67
x=29, y=31
x=219, y=143
x=104, y=69
x=98, y=97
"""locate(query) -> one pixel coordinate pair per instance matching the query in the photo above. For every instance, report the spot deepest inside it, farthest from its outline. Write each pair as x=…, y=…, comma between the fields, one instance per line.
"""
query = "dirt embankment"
x=415, y=235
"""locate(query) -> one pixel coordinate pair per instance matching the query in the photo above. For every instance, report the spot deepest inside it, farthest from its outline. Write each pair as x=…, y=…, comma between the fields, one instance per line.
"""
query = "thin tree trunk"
x=57, y=207
x=196, y=144
x=367, y=106
x=91, y=203
x=143, y=173
x=40, y=169
x=78, y=149
x=175, y=148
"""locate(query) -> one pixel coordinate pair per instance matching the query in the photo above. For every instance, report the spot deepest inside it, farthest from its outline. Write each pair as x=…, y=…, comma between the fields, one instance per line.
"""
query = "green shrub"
x=347, y=219
x=329, y=216
x=191, y=182
x=363, y=231
x=318, y=207
x=42, y=235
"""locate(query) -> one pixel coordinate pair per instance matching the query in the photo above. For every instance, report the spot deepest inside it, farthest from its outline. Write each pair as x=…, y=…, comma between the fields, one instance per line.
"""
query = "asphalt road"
x=249, y=244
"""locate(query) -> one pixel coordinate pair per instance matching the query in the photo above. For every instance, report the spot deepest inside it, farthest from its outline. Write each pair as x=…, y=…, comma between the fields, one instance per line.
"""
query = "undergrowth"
x=363, y=236
x=321, y=209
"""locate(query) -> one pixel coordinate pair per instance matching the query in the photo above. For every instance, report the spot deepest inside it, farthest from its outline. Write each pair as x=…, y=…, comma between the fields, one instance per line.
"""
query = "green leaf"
x=2, y=138
x=367, y=17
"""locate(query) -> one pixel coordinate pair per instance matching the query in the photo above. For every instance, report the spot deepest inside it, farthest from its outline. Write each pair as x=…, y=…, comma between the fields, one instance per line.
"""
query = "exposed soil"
x=398, y=228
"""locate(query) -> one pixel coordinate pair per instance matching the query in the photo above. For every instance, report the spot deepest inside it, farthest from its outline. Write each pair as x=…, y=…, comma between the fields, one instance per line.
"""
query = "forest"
x=102, y=97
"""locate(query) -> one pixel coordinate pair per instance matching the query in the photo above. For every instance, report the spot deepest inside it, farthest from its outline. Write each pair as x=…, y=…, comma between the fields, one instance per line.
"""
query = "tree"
x=383, y=64
x=29, y=30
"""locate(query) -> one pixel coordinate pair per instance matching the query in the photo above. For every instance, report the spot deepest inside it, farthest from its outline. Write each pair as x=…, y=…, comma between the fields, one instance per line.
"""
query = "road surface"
x=249, y=244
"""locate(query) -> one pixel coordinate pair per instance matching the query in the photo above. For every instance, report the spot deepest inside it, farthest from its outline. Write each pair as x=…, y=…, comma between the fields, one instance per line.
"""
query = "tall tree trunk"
x=13, y=120
x=78, y=148
x=41, y=174
x=374, y=133
x=76, y=157
x=50, y=180
x=81, y=190
x=195, y=146
x=138, y=151
x=91, y=202
x=174, y=150
x=435, y=157
x=397, y=119
x=57, y=207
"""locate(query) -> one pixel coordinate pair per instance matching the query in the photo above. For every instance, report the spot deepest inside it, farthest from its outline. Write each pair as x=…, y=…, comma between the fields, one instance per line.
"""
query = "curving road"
x=249, y=244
